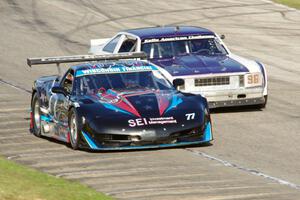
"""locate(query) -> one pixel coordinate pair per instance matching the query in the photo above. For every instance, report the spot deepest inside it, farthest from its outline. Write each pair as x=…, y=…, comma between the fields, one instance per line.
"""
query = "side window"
x=67, y=82
x=128, y=45
x=112, y=44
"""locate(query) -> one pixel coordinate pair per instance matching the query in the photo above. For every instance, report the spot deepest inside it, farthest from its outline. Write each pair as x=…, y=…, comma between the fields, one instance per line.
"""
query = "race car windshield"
x=206, y=47
x=147, y=80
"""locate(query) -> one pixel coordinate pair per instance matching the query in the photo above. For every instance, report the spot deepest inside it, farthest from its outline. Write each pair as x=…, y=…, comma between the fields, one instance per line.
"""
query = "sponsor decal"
x=151, y=121
x=169, y=39
x=115, y=70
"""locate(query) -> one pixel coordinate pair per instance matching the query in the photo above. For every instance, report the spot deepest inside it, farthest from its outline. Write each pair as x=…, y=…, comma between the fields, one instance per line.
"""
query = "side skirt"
x=52, y=129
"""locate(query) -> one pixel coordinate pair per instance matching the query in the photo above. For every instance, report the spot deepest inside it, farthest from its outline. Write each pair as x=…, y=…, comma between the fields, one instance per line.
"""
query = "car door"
x=59, y=105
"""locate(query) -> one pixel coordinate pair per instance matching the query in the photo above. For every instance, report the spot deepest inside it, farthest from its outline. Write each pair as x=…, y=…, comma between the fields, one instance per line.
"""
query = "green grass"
x=291, y=3
x=18, y=182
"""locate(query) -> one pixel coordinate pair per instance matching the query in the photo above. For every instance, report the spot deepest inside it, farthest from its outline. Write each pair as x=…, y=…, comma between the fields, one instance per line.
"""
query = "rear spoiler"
x=84, y=58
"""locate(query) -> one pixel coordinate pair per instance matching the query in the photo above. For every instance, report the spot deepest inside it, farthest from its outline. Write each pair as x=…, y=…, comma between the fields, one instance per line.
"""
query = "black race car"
x=110, y=103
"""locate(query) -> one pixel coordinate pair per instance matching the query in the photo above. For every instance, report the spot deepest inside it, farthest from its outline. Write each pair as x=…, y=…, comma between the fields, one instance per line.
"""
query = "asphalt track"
x=255, y=155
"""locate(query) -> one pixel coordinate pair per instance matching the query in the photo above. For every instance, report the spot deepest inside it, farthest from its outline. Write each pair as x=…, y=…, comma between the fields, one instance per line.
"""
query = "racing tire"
x=262, y=106
x=36, y=115
x=74, y=127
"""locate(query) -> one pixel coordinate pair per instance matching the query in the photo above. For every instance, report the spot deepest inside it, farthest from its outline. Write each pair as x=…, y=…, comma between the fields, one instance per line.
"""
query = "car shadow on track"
x=53, y=140
x=145, y=150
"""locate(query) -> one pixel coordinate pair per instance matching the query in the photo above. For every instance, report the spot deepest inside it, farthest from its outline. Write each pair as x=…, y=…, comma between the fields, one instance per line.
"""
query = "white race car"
x=198, y=56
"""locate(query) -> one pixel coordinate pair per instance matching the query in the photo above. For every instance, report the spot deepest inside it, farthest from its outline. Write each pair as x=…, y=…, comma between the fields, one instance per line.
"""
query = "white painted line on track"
x=245, y=169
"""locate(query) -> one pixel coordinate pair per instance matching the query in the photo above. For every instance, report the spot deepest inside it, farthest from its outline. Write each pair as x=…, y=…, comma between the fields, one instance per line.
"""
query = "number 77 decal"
x=190, y=116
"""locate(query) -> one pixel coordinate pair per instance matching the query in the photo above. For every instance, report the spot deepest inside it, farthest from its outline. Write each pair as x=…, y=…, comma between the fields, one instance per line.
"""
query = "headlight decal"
x=208, y=132
x=89, y=140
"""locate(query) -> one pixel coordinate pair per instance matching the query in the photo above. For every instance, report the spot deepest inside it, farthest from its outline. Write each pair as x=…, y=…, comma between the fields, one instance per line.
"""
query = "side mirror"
x=59, y=90
x=222, y=37
x=178, y=82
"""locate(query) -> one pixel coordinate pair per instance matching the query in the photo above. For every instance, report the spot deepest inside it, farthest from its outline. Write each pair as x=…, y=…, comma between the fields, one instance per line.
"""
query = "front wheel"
x=74, y=129
x=263, y=105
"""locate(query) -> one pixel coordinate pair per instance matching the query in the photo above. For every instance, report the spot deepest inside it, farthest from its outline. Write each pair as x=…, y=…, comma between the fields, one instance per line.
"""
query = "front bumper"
x=238, y=102
x=224, y=90
x=206, y=137
x=233, y=97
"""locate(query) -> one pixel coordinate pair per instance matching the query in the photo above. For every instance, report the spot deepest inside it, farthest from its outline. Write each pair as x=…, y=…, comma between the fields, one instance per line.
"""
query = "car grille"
x=241, y=80
x=224, y=80
x=115, y=140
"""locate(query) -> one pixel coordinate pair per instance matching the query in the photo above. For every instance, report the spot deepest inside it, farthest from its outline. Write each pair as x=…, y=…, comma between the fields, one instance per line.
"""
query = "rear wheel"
x=36, y=115
x=74, y=129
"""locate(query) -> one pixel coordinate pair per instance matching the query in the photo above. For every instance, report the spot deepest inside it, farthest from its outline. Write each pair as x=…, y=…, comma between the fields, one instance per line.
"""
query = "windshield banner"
x=115, y=70
x=169, y=39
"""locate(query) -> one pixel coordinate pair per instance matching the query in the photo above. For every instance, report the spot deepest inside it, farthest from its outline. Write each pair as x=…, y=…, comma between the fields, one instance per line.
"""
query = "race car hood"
x=117, y=112
x=197, y=64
